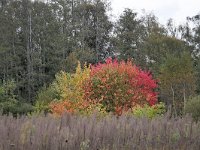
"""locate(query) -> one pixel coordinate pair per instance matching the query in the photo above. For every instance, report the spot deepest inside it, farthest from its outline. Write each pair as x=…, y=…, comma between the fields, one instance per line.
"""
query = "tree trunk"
x=184, y=98
x=173, y=101
x=28, y=48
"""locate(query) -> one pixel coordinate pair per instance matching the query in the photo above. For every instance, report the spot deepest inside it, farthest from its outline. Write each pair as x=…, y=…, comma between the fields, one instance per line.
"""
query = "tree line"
x=38, y=39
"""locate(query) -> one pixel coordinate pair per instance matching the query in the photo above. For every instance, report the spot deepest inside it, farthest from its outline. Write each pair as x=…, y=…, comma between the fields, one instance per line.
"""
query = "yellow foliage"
x=69, y=86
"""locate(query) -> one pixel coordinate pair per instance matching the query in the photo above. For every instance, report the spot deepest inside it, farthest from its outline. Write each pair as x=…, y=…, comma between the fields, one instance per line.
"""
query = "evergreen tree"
x=129, y=32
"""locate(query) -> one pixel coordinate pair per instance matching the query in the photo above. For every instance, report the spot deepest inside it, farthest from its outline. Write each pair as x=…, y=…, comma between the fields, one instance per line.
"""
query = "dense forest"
x=39, y=39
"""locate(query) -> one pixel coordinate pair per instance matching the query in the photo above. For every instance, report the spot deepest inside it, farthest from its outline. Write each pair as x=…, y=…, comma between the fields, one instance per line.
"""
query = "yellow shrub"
x=69, y=88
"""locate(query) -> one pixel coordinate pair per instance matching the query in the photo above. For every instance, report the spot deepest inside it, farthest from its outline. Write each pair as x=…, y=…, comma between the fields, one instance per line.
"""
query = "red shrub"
x=119, y=86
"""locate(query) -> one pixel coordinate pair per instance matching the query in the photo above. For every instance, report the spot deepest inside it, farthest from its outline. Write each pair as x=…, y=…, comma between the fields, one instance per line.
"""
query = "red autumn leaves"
x=119, y=86
x=116, y=87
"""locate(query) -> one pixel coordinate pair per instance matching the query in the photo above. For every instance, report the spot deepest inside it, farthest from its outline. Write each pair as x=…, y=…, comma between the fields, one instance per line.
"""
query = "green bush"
x=22, y=108
x=16, y=108
x=149, y=111
x=9, y=102
x=193, y=107
x=44, y=97
x=7, y=97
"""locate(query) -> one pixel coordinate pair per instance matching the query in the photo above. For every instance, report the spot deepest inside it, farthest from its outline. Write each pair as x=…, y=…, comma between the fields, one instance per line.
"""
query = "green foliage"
x=39, y=39
x=177, y=69
x=44, y=97
x=68, y=85
x=177, y=80
x=148, y=111
x=9, y=102
x=129, y=36
x=198, y=75
x=84, y=56
x=22, y=108
x=193, y=107
x=158, y=46
x=7, y=98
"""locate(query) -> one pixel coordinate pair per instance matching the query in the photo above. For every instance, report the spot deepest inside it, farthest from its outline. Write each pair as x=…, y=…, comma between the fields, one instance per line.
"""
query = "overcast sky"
x=163, y=9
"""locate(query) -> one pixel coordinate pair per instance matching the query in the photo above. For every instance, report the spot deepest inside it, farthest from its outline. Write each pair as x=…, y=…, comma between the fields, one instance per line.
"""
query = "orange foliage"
x=111, y=87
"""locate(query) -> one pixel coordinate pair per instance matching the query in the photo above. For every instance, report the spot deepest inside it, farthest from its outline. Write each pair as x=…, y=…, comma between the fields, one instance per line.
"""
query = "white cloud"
x=163, y=9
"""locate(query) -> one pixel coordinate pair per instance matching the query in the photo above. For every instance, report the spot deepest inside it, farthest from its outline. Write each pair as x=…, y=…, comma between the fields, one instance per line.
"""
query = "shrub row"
x=109, y=87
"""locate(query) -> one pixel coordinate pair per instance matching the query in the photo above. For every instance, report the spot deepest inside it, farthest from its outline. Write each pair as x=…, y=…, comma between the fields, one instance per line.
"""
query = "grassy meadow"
x=94, y=132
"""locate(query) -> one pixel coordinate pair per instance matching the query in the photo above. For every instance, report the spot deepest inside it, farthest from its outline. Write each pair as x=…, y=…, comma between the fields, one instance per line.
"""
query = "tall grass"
x=71, y=132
